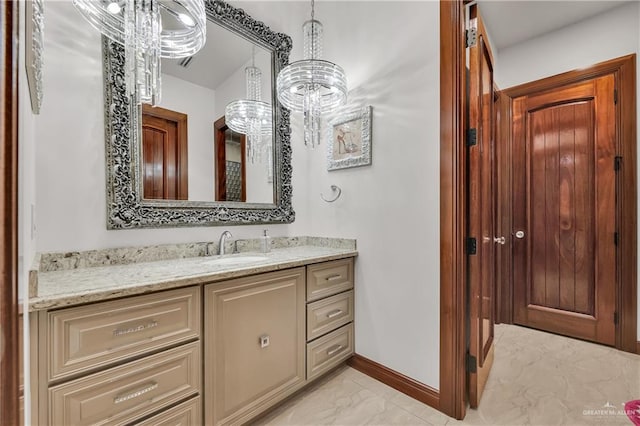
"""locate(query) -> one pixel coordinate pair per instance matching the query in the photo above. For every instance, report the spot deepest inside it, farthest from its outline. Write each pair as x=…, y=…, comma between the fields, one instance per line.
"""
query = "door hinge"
x=470, y=37
x=616, y=238
x=615, y=96
x=615, y=318
x=471, y=246
x=471, y=363
x=472, y=137
x=617, y=163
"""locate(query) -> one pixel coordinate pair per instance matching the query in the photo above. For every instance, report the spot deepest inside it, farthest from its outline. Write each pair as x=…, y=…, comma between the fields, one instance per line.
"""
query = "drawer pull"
x=141, y=327
x=333, y=277
x=334, y=314
x=151, y=386
x=334, y=350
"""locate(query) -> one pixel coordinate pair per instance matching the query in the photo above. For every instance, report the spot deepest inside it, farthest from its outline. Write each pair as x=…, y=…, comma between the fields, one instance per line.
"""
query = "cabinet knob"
x=264, y=341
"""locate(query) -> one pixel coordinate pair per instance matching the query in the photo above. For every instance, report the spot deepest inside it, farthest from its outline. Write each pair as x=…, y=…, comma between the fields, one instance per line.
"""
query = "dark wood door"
x=231, y=176
x=564, y=210
x=164, y=154
x=481, y=215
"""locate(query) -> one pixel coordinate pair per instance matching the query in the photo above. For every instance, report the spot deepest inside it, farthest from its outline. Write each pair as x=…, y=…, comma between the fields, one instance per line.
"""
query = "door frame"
x=624, y=72
x=9, y=362
x=453, y=223
x=453, y=272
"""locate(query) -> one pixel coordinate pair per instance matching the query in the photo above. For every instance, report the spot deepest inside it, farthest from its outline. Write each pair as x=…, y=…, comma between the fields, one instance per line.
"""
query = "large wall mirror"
x=177, y=163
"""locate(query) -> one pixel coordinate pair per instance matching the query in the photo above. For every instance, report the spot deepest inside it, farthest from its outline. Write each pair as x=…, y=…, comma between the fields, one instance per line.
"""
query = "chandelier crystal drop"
x=148, y=30
x=251, y=116
x=312, y=86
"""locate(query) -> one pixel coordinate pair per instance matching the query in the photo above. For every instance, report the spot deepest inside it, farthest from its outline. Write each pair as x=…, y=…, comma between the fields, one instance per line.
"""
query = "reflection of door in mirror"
x=230, y=146
x=164, y=154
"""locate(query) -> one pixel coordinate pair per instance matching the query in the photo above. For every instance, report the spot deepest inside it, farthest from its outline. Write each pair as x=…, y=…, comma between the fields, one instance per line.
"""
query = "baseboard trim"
x=398, y=381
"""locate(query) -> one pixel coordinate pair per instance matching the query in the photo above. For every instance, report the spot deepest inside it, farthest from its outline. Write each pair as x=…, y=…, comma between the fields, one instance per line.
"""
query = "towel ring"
x=334, y=188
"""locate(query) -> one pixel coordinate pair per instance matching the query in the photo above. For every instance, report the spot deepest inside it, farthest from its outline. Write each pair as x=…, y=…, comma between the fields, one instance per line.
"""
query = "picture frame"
x=349, y=138
x=34, y=51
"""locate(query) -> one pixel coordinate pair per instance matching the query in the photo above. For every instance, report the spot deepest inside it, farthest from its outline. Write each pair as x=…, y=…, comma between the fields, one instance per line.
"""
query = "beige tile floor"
x=537, y=379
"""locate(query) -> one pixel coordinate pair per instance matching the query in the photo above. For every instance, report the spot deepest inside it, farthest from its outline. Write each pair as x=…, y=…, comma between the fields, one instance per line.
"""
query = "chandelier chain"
x=313, y=9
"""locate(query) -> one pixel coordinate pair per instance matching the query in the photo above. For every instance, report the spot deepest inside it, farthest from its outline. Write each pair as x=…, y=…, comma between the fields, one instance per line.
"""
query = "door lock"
x=520, y=234
x=499, y=240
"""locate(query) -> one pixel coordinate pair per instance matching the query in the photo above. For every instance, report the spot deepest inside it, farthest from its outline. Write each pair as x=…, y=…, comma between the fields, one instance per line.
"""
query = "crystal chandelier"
x=149, y=30
x=312, y=86
x=251, y=116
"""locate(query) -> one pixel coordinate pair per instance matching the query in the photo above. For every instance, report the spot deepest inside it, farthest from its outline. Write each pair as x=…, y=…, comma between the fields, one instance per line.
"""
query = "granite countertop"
x=59, y=288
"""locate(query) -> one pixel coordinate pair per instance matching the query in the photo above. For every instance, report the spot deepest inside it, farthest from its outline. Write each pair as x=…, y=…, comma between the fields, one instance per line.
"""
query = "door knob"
x=499, y=240
x=520, y=234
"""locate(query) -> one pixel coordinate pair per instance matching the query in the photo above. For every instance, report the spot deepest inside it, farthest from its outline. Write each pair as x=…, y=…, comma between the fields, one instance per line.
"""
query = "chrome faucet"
x=223, y=239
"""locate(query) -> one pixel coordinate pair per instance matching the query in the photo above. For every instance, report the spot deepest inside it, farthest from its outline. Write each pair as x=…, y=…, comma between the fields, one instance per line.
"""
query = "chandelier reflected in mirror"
x=251, y=116
x=312, y=86
x=149, y=30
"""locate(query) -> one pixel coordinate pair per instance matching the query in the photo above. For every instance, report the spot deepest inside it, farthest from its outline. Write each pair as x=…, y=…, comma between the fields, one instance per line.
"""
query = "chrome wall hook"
x=335, y=189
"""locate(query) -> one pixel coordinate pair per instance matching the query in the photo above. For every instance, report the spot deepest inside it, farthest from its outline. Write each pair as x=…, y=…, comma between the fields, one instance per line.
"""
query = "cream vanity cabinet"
x=214, y=354
x=329, y=315
x=121, y=361
x=270, y=334
x=255, y=347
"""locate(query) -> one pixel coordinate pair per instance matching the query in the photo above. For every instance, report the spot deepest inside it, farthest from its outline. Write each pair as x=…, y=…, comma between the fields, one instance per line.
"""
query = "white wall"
x=26, y=200
x=606, y=36
x=199, y=104
x=390, y=52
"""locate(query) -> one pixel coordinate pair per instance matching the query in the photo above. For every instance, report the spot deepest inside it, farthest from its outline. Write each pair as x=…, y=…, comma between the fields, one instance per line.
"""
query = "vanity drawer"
x=328, y=278
x=96, y=335
x=328, y=314
x=329, y=351
x=122, y=394
x=186, y=414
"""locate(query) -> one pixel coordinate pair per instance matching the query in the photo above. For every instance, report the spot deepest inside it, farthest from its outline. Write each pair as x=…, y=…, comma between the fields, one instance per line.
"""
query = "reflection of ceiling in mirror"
x=510, y=23
x=222, y=55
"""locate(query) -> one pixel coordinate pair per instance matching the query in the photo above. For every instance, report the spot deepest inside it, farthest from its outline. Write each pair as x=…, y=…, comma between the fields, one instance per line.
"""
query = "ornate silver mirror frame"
x=125, y=207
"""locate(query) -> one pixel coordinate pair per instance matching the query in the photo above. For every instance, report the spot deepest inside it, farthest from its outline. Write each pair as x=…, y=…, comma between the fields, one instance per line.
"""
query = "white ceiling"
x=511, y=22
x=222, y=55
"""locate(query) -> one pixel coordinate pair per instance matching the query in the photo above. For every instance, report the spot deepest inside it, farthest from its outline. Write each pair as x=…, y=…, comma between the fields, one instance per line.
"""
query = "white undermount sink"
x=235, y=260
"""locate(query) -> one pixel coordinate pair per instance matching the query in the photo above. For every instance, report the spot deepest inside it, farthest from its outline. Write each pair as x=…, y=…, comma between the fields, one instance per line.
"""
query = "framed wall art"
x=349, y=138
x=34, y=46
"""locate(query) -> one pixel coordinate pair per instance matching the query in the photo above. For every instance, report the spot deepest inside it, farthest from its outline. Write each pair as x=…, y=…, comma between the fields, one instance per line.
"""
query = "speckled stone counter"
x=73, y=284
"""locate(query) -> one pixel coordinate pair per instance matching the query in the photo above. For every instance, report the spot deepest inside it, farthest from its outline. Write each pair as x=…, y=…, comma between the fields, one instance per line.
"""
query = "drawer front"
x=122, y=394
x=97, y=335
x=329, y=351
x=189, y=413
x=328, y=314
x=329, y=278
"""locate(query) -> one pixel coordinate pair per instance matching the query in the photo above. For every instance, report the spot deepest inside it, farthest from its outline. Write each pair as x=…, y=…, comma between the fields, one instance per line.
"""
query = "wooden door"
x=564, y=210
x=164, y=154
x=482, y=238
x=231, y=176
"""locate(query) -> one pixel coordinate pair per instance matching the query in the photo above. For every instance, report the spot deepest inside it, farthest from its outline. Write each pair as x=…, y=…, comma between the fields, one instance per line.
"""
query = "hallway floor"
x=537, y=379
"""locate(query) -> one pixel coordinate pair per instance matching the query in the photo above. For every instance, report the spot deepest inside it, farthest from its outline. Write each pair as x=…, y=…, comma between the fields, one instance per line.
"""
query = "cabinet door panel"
x=255, y=329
